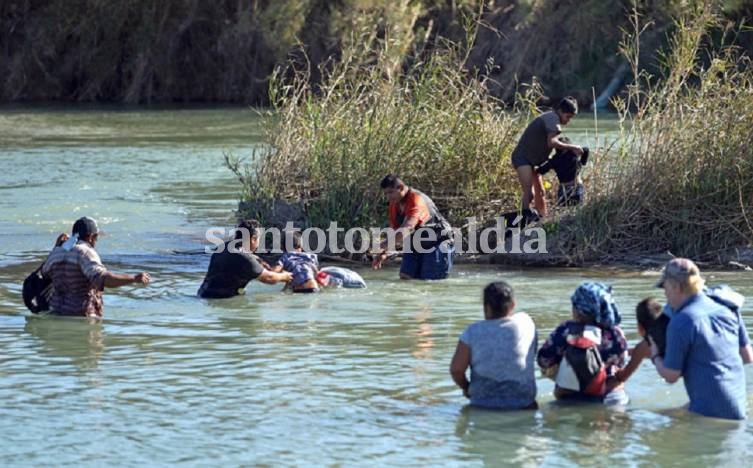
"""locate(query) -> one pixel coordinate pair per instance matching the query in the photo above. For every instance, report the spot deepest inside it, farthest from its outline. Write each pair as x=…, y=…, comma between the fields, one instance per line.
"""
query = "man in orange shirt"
x=428, y=255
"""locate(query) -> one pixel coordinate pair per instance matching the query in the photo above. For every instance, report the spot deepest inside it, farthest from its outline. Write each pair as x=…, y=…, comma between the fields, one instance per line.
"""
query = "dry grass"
x=433, y=123
x=682, y=178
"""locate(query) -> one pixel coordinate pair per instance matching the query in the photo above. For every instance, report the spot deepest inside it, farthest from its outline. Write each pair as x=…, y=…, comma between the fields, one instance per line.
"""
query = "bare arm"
x=641, y=351
x=554, y=142
x=408, y=226
x=746, y=352
x=459, y=364
x=272, y=277
x=669, y=375
x=116, y=280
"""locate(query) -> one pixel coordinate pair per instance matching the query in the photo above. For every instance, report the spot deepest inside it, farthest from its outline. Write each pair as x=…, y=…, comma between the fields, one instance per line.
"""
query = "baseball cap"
x=85, y=226
x=678, y=269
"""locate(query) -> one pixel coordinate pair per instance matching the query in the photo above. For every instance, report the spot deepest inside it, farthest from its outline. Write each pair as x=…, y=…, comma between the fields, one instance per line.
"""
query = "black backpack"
x=37, y=291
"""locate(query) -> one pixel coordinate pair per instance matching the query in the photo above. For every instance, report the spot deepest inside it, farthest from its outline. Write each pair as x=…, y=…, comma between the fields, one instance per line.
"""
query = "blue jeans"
x=429, y=266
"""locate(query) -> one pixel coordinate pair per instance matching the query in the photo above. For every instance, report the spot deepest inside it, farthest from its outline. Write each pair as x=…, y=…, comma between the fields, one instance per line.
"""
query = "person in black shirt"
x=232, y=267
x=567, y=165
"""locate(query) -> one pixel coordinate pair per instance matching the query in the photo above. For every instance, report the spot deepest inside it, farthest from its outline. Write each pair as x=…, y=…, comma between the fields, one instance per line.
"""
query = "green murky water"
x=351, y=378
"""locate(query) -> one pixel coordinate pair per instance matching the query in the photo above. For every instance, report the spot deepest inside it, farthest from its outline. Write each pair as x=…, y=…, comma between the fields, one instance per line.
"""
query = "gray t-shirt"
x=533, y=145
x=503, y=353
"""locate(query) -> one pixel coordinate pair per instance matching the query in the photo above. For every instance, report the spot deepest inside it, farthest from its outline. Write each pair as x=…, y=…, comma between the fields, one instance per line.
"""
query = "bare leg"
x=525, y=176
x=539, y=194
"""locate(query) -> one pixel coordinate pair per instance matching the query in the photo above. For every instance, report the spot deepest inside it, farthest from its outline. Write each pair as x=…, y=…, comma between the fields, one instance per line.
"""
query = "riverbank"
x=677, y=178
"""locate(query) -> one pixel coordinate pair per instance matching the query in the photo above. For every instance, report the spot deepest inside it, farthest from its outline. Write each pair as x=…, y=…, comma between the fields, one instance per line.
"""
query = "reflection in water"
x=80, y=339
x=592, y=430
x=683, y=436
x=424, y=344
x=502, y=438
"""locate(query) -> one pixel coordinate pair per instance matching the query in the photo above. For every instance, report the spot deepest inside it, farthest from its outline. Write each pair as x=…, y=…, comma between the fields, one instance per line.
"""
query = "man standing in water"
x=234, y=265
x=78, y=275
x=707, y=345
x=411, y=211
x=534, y=147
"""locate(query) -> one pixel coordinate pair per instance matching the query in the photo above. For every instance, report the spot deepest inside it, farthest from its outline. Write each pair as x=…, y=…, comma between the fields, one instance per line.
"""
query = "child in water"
x=584, y=354
x=651, y=322
x=303, y=265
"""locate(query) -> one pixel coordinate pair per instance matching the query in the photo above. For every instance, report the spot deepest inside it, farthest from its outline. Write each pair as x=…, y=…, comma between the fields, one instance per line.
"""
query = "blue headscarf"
x=595, y=300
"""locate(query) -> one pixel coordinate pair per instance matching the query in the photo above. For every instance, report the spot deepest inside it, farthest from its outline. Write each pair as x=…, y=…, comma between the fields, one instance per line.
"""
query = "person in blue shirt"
x=707, y=345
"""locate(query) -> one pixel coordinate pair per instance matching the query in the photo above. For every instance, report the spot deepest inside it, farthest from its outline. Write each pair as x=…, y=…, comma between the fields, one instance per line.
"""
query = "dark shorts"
x=306, y=290
x=428, y=266
x=518, y=159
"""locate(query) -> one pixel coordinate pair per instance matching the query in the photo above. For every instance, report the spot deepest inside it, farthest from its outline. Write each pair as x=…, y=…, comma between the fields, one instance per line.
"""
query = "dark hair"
x=499, y=298
x=647, y=312
x=567, y=105
x=296, y=239
x=391, y=181
x=251, y=225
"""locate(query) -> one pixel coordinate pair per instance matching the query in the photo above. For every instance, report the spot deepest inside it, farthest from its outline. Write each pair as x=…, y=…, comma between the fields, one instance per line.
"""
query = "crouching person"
x=567, y=165
x=500, y=351
x=583, y=355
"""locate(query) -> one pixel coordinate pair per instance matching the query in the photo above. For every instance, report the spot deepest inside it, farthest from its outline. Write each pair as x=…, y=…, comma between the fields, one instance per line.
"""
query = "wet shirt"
x=413, y=205
x=613, y=348
x=534, y=143
x=417, y=204
x=502, y=361
x=228, y=273
x=78, y=278
x=301, y=264
x=703, y=342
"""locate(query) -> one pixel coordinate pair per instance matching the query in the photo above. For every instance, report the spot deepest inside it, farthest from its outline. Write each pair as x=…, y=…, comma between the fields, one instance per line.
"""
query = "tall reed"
x=432, y=122
x=681, y=179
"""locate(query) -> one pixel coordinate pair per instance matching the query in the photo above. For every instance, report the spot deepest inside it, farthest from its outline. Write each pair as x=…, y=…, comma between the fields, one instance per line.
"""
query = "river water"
x=346, y=377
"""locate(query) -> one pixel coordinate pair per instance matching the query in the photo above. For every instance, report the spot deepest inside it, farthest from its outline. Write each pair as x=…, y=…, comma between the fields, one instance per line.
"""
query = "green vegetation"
x=682, y=179
x=679, y=179
x=137, y=51
x=434, y=124
x=436, y=91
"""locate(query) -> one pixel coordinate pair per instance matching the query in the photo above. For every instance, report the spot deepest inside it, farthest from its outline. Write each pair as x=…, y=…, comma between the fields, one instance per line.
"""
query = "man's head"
x=566, y=109
x=251, y=227
x=393, y=187
x=498, y=300
x=680, y=279
x=86, y=229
